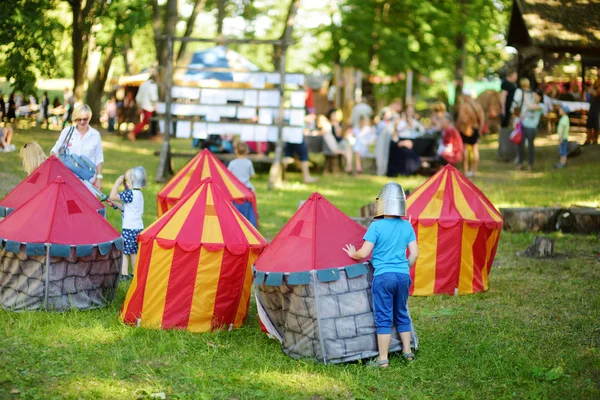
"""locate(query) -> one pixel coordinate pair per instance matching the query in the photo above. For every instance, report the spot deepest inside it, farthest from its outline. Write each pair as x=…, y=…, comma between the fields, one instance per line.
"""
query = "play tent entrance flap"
x=205, y=165
x=310, y=295
x=193, y=269
x=47, y=172
x=57, y=253
x=457, y=230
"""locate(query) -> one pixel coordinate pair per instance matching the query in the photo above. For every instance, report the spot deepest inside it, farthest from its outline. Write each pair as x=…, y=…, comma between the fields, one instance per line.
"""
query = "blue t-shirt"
x=391, y=238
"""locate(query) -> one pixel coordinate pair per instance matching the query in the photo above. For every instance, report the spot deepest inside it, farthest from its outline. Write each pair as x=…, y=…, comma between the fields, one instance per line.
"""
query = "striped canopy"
x=202, y=166
x=47, y=172
x=193, y=269
x=457, y=230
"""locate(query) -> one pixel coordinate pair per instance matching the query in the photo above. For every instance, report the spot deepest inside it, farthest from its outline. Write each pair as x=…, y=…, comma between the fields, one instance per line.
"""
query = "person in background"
x=336, y=125
x=438, y=114
x=131, y=202
x=409, y=127
x=85, y=141
x=396, y=108
x=10, y=118
x=593, y=121
x=44, y=116
x=388, y=237
x=469, y=121
x=563, y=136
x=300, y=149
x=331, y=145
x=32, y=155
x=2, y=107
x=554, y=92
x=360, y=110
x=147, y=100
x=69, y=106
x=451, y=149
x=5, y=138
x=365, y=137
x=574, y=91
x=530, y=118
x=110, y=108
x=241, y=167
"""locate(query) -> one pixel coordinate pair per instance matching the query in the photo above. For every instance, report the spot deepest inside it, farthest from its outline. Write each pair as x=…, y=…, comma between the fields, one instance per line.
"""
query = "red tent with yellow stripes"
x=202, y=166
x=193, y=269
x=457, y=230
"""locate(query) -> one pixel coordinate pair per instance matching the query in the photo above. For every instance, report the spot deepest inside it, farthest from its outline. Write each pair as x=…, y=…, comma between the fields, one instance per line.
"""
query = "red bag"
x=516, y=136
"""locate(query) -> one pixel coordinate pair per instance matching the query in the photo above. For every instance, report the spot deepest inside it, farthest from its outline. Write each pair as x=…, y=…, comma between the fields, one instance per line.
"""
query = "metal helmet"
x=136, y=177
x=391, y=200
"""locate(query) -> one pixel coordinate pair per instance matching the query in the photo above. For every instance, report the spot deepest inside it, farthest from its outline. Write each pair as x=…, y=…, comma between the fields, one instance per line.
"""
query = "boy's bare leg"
x=475, y=161
x=383, y=344
x=124, y=265
x=405, y=339
x=306, y=173
x=132, y=258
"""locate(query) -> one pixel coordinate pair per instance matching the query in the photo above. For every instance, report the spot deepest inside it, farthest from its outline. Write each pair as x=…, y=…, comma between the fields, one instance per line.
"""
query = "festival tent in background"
x=205, y=165
x=457, y=230
x=193, y=269
x=47, y=172
x=310, y=295
x=50, y=258
x=219, y=63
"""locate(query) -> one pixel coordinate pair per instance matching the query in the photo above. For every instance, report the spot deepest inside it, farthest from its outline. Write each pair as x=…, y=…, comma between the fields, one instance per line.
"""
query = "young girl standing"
x=132, y=201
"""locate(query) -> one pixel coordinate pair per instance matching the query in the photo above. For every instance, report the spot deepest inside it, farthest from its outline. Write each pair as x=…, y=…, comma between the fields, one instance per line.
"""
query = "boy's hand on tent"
x=350, y=250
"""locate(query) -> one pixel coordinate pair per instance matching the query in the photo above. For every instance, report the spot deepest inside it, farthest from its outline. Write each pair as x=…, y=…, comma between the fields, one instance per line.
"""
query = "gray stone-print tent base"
x=76, y=277
x=324, y=314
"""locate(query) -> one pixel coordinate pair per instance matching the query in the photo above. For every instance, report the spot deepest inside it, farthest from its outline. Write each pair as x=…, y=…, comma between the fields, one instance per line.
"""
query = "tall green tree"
x=24, y=46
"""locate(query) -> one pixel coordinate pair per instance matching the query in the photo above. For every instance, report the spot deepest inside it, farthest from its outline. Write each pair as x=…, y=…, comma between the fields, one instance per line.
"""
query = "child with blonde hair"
x=132, y=203
x=241, y=167
x=32, y=155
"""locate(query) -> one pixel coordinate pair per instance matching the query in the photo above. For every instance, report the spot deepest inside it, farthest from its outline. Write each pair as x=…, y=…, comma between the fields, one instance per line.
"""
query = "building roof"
x=556, y=25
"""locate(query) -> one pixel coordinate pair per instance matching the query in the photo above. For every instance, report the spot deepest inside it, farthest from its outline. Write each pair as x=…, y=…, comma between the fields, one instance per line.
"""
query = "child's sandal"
x=379, y=363
x=408, y=357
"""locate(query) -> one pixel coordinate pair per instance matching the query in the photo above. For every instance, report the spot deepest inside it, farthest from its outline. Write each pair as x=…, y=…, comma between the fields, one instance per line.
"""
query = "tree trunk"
x=220, y=16
x=461, y=51
x=189, y=27
x=530, y=219
x=128, y=54
x=97, y=83
x=541, y=247
x=78, y=37
x=163, y=27
x=287, y=32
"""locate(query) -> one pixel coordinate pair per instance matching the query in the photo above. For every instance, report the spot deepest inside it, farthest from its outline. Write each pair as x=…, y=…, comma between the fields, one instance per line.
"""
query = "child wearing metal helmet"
x=132, y=205
x=388, y=237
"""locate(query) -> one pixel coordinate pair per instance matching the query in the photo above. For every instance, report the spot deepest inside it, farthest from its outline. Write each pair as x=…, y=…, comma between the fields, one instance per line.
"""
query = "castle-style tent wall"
x=313, y=297
x=57, y=253
x=47, y=172
x=194, y=266
x=202, y=166
x=457, y=230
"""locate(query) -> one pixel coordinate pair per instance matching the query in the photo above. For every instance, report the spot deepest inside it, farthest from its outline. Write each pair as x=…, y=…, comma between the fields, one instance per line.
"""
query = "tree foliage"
x=24, y=46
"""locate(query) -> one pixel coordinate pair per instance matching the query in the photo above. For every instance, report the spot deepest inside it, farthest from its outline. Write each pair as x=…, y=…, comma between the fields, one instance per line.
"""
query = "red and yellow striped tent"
x=202, y=166
x=457, y=230
x=193, y=269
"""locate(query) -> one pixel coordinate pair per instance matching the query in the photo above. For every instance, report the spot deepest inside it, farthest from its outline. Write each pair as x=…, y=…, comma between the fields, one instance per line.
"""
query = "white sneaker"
x=470, y=174
x=11, y=147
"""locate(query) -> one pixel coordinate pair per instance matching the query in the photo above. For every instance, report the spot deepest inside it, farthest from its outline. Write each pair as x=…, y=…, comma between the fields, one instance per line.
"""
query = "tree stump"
x=579, y=220
x=530, y=219
x=541, y=247
x=368, y=210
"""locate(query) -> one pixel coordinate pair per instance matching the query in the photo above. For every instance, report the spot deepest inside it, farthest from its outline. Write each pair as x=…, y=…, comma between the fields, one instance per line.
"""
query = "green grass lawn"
x=534, y=334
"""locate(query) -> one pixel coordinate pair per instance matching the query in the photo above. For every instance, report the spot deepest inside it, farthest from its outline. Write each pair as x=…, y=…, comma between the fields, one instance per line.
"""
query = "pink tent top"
x=47, y=172
x=312, y=240
x=58, y=215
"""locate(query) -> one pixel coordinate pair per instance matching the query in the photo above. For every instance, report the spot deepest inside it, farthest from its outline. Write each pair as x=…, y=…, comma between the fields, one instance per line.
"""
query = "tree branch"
x=189, y=27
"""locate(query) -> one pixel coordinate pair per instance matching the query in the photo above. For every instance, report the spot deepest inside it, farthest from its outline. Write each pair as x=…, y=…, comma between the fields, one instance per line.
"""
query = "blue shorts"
x=390, y=299
x=130, y=244
x=562, y=148
x=297, y=148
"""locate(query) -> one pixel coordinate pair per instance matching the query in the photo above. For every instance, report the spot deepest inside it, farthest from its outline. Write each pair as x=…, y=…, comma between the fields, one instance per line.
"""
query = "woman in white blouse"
x=85, y=141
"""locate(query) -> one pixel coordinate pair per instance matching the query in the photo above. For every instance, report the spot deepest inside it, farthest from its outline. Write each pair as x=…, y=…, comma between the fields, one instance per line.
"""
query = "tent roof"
x=448, y=197
x=205, y=165
x=37, y=181
x=557, y=25
x=221, y=63
x=58, y=215
x=312, y=240
x=205, y=217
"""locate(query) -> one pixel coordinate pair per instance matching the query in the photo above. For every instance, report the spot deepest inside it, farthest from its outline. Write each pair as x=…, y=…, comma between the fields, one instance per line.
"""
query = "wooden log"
x=579, y=220
x=541, y=247
x=530, y=219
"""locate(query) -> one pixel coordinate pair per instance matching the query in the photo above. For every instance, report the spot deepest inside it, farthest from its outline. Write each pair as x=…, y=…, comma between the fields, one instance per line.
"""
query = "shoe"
x=378, y=363
x=10, y=147
x=530, y=168
x=288, y=160
x=560, y=165
x=408, y=357
x=519, y=167
x=470, y=174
